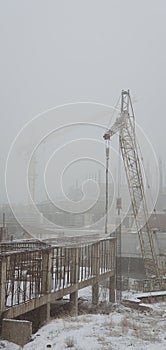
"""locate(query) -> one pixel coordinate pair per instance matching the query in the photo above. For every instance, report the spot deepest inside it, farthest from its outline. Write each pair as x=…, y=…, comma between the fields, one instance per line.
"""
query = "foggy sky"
x=55, y=52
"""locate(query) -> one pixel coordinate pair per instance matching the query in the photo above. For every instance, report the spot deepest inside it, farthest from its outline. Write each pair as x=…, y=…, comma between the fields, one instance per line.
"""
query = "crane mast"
x=125, y=127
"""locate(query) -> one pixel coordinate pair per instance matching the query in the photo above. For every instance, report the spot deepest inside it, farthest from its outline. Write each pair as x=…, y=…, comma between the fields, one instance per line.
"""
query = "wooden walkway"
x=34, y=274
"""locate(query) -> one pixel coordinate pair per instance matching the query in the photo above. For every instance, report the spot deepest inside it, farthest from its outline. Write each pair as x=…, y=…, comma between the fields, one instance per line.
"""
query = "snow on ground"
x=122, y=328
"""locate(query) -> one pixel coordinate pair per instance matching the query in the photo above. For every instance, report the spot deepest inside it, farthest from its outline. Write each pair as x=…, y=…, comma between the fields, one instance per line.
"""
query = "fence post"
x=46, y=277
x=46, y=272
x=3, y=270
x=112, y=280
x=95, y=272
x=74, y=280
x=112, y=289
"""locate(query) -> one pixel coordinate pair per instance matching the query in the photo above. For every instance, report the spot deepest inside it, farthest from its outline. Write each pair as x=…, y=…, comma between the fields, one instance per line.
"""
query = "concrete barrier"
x=16, y=331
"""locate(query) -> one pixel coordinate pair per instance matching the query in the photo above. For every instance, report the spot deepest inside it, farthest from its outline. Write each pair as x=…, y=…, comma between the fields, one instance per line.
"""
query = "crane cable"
x=107, y=170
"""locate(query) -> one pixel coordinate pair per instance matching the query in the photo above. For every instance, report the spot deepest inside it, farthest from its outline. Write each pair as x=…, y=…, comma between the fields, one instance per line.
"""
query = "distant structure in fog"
x=3, y=230
x=32, y=177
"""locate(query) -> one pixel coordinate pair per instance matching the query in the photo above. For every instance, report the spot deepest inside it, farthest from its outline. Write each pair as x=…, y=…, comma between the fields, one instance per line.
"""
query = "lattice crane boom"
x=125, y=127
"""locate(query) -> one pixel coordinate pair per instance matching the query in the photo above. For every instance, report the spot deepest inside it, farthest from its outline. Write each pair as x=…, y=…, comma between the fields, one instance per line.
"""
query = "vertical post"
x=95, y=272
x=3, y=269
x=46, y=271
x=4, y=221
x=46, y=278
x=49, y=284
x=118, y=260
x=112, y=280
x=74, y=280
x=48, y=312
x=112, y=289
x=106, y=190
x=95, y=293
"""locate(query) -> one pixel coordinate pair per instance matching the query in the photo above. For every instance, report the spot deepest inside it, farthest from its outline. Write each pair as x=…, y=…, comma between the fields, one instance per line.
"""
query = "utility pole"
x=106, y=190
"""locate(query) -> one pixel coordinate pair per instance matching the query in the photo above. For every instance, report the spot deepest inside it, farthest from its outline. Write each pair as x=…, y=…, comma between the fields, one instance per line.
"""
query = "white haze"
x=59, y=52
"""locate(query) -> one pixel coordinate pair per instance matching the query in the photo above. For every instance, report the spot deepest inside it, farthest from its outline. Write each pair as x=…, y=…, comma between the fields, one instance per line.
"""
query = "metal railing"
x=36, y=271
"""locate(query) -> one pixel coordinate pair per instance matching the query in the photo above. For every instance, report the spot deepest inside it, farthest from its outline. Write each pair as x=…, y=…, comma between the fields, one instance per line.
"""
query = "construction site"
x=36, y=273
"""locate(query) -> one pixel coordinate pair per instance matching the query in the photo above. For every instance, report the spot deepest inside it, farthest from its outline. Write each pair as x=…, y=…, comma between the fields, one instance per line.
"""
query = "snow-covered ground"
x=121, y=329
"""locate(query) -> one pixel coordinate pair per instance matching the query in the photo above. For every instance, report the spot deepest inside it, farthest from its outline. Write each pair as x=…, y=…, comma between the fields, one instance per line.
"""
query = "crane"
x=125, y=127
